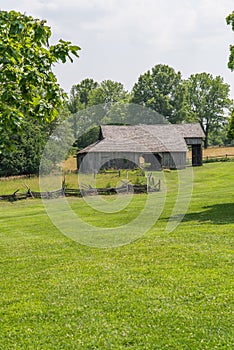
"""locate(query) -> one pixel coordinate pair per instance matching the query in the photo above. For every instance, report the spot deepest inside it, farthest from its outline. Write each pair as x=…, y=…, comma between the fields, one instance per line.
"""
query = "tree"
x=23, y=156
x=161, y=89
x=58, y=147
x=208, y=100
x=230, y=21
x=95, y=103
x=108, y=93
x=89, y=93
x=79, y=95
x=230, y=133
x=89, y=137
x=28, y=87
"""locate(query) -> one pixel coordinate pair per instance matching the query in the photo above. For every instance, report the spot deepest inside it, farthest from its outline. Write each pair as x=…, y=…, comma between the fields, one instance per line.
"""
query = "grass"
x=9, y=185
x=107, y=179
x=164, y=291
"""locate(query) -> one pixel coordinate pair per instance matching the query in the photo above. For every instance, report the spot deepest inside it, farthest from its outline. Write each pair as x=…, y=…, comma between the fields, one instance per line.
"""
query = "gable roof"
x=192, y=130
x=144, y=138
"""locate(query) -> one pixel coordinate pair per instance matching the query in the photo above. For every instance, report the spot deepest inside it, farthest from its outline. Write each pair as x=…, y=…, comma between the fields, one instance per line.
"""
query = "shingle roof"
x=145, y=138
x=192, y=130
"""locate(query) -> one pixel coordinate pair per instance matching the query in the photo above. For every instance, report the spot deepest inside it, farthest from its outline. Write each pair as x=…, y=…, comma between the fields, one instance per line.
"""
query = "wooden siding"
x=193, y=141
x=174, y=160
x=93, y=161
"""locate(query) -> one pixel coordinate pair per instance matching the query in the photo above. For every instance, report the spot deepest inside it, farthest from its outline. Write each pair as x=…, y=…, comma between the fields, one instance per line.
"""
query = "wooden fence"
x=84, y=191
x=210, y=159
x=223, y=158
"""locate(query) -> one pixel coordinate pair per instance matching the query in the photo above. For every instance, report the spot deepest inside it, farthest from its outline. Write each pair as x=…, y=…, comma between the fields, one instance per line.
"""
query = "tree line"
x=200, y=98
x=32, y=103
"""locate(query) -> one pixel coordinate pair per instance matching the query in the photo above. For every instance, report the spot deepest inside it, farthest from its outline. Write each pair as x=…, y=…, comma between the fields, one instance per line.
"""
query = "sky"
x=122, y=39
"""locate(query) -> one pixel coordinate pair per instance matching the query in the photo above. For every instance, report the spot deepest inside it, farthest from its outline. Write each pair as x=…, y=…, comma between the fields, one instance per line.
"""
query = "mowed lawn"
x=163, y=291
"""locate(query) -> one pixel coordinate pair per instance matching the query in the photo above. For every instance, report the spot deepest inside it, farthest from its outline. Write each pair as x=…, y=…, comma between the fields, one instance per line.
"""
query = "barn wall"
x=174, y=160
x=95, y=161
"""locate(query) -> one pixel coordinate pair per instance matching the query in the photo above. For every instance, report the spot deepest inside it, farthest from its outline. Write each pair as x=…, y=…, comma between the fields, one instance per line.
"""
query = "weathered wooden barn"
x=157, y=146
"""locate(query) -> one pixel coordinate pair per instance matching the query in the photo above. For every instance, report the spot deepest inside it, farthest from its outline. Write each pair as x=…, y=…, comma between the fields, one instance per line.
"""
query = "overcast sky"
x=121, y=39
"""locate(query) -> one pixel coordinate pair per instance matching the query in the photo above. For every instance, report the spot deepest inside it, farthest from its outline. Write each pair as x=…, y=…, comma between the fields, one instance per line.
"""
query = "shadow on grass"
x=216, y=214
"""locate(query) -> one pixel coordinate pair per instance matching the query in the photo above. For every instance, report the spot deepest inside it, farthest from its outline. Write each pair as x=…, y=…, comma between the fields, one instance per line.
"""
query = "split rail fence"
x=84, y=191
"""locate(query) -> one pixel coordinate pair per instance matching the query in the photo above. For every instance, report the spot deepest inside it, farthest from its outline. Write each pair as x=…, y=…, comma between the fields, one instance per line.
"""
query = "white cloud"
x=120, y=39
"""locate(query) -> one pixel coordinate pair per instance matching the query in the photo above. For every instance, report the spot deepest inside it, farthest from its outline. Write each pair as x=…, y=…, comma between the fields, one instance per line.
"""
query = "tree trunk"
x=206, y=136
x=206, y=132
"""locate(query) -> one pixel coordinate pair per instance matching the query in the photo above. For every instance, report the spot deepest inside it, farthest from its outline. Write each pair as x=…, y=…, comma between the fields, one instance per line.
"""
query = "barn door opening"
x=196, y=155
x=151, y=161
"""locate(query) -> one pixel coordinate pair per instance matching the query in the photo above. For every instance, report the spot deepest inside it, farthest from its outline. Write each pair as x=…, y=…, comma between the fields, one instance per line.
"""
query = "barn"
x=157, y=146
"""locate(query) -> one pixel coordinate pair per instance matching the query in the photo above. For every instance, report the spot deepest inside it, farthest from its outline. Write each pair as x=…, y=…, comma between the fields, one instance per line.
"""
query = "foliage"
x=58, y=148
x=79, y=95
x=27, y=145
x=87, y=138
x=160, y=292
x=230, y=21
x=208, y=101
x=161, y=89
x=219, y=137
x=108, y=93
x=92, y=104
x=23, y=157
x=89, y=93
x=230, y=132
x=28, y=87
x=201, y=98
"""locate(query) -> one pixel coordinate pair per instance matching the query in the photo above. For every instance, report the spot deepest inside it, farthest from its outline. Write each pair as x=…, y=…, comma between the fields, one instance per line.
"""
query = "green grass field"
x=163, y=291
x=108, y=179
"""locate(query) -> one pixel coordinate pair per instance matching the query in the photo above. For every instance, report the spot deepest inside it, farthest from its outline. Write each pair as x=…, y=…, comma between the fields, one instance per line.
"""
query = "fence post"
x=127, y=179
x=64, y=186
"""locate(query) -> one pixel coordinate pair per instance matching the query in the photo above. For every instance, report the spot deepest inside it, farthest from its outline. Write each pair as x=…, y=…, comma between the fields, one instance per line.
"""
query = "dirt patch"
x=70, y=164
x=218, y=151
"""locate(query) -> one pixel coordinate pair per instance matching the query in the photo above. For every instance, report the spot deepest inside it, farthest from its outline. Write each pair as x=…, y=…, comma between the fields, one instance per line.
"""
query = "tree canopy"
x=230, y=133
x=23, y=156
x=108, y=93
x=80, y=95
x=230, y=21
x=201, y=98
x=161, y=90
x=208, y=102
x=101, y=101
x=89, y=93
x=28, y=87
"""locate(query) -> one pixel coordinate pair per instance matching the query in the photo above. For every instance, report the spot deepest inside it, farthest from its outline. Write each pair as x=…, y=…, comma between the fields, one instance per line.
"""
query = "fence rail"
x=84, y=191
x=222, y=157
